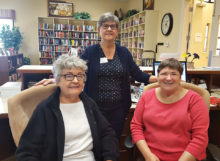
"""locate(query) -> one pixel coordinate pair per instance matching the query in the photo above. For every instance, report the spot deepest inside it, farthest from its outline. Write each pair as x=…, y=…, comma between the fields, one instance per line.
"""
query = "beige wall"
x=176, y=8
x=177, y=39
x=213, y=59
x=98, y=7
x=201, y=16
x=186, y=25
x=28, y=11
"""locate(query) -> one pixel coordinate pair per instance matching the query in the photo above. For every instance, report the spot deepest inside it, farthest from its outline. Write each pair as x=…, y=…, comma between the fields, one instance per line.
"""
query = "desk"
x=33, y=73
x=7, y=145
x=211, y=77
x=38, y=72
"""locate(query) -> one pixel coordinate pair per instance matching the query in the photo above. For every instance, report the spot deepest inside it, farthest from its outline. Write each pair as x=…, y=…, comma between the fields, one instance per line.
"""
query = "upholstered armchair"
x=22, y=105
x=212, y=150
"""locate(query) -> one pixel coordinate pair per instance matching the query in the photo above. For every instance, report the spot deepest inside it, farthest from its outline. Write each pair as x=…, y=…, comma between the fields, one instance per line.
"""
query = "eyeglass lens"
x=106, y=26
x=70, y=77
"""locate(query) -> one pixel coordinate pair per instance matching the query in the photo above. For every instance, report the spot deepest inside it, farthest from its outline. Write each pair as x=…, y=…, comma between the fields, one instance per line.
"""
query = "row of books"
x=46, y=54
x=84, y=35
x=44, y=26
x=46, y=61
x=61, y=48
x=7, y=52
x=51, y=55
x=137, y=55
x=51, y=34
x=46, y=41
x=14, y=77
x=133, y=22
x=134, y=44
x=83, y=42
x=137, y=33
x=54, y=55
x=140, y=45
x=12, y=63
x=125, y=44
x=46, y=34
x=70, y=27
x=50, y=48
x=46, y=45
x=67, y=27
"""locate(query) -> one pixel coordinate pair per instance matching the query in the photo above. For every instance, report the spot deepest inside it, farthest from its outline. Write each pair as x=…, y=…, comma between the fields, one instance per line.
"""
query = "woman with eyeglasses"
x=109, y=69
x=67, y=126
x=170, y=123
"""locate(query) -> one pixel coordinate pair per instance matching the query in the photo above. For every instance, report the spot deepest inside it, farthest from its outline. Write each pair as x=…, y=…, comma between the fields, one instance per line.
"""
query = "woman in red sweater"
x=175, y=119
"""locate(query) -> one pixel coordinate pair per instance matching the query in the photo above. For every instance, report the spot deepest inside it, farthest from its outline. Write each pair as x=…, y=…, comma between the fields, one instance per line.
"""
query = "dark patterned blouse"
x=110, y=79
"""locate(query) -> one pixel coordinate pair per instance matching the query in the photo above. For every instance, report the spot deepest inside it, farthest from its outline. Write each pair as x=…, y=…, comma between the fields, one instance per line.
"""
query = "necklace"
x=108, y=51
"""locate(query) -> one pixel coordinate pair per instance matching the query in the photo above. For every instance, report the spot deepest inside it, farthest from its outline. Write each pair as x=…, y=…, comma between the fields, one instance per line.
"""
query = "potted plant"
x=82, y=15
x=190, y=64
x=11, y=38
x=131, y=13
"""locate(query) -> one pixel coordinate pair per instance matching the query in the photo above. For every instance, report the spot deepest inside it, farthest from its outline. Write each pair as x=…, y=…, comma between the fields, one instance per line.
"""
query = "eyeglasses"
x=172, y=75
x=112, y=27
x=70, y=77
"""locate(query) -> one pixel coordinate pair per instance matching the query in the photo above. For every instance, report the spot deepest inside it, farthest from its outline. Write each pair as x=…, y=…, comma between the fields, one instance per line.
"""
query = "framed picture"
x=148, y=4
x=60, y=9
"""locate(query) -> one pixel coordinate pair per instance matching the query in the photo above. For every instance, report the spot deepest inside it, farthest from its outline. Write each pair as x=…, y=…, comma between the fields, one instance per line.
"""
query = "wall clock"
x=167, y=24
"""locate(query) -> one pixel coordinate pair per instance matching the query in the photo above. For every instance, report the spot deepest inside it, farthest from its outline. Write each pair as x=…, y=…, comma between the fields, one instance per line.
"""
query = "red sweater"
x=171, y=129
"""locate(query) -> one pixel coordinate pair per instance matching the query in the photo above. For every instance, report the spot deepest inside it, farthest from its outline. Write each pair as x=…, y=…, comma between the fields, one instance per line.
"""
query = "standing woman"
x=109, y=69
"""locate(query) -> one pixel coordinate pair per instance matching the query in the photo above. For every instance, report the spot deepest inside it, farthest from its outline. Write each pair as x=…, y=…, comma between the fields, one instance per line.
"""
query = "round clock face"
x=167, y=24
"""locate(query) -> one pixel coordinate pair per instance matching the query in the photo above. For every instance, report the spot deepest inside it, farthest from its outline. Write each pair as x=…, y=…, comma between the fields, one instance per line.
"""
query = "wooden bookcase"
x=139, y=33
x=8, y=66
x=58, y=35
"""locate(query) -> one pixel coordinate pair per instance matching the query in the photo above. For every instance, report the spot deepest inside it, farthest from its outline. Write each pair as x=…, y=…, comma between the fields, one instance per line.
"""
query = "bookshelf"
x=58, y=35
x=8, y=66
x=139, y=33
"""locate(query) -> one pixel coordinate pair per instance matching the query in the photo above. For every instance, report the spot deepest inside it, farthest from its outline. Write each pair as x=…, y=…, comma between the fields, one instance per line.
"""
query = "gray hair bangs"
x=66, y=61
x=108, y=17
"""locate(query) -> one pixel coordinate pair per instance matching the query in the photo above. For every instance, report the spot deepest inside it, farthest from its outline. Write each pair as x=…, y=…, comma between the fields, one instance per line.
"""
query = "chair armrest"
x=214, y=151
x=128, y=142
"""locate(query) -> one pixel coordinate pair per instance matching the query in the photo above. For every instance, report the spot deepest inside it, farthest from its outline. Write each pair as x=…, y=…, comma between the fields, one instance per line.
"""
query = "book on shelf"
x=58, y=35
x=138, y=34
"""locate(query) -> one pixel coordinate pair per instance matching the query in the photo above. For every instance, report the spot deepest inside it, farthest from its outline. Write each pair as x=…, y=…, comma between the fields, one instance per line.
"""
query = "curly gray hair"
x=108, y=17
x=66, y=61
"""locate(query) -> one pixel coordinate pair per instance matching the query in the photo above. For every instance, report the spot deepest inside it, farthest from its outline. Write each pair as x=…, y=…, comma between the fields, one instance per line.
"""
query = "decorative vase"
x=190, y=65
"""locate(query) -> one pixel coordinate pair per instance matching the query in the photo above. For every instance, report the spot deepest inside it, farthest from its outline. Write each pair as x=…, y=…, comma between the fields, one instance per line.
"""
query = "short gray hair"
x=108, y=17
x=66, y=61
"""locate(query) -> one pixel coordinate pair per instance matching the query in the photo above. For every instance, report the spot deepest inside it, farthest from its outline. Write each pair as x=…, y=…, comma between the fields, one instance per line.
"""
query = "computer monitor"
x=183, y=76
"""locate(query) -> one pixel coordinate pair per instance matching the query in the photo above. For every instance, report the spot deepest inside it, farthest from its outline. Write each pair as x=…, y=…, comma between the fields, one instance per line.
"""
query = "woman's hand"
x=152, y=79
x=186, y=156
x=145, y=151
x=45, y=82
x=152, y=157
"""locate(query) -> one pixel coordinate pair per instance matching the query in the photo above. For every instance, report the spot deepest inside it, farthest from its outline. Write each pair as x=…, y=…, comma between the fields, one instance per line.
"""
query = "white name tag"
x=103, y=60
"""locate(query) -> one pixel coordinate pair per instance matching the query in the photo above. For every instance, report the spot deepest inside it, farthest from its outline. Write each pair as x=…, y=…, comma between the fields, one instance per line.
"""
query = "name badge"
x=103, y=60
